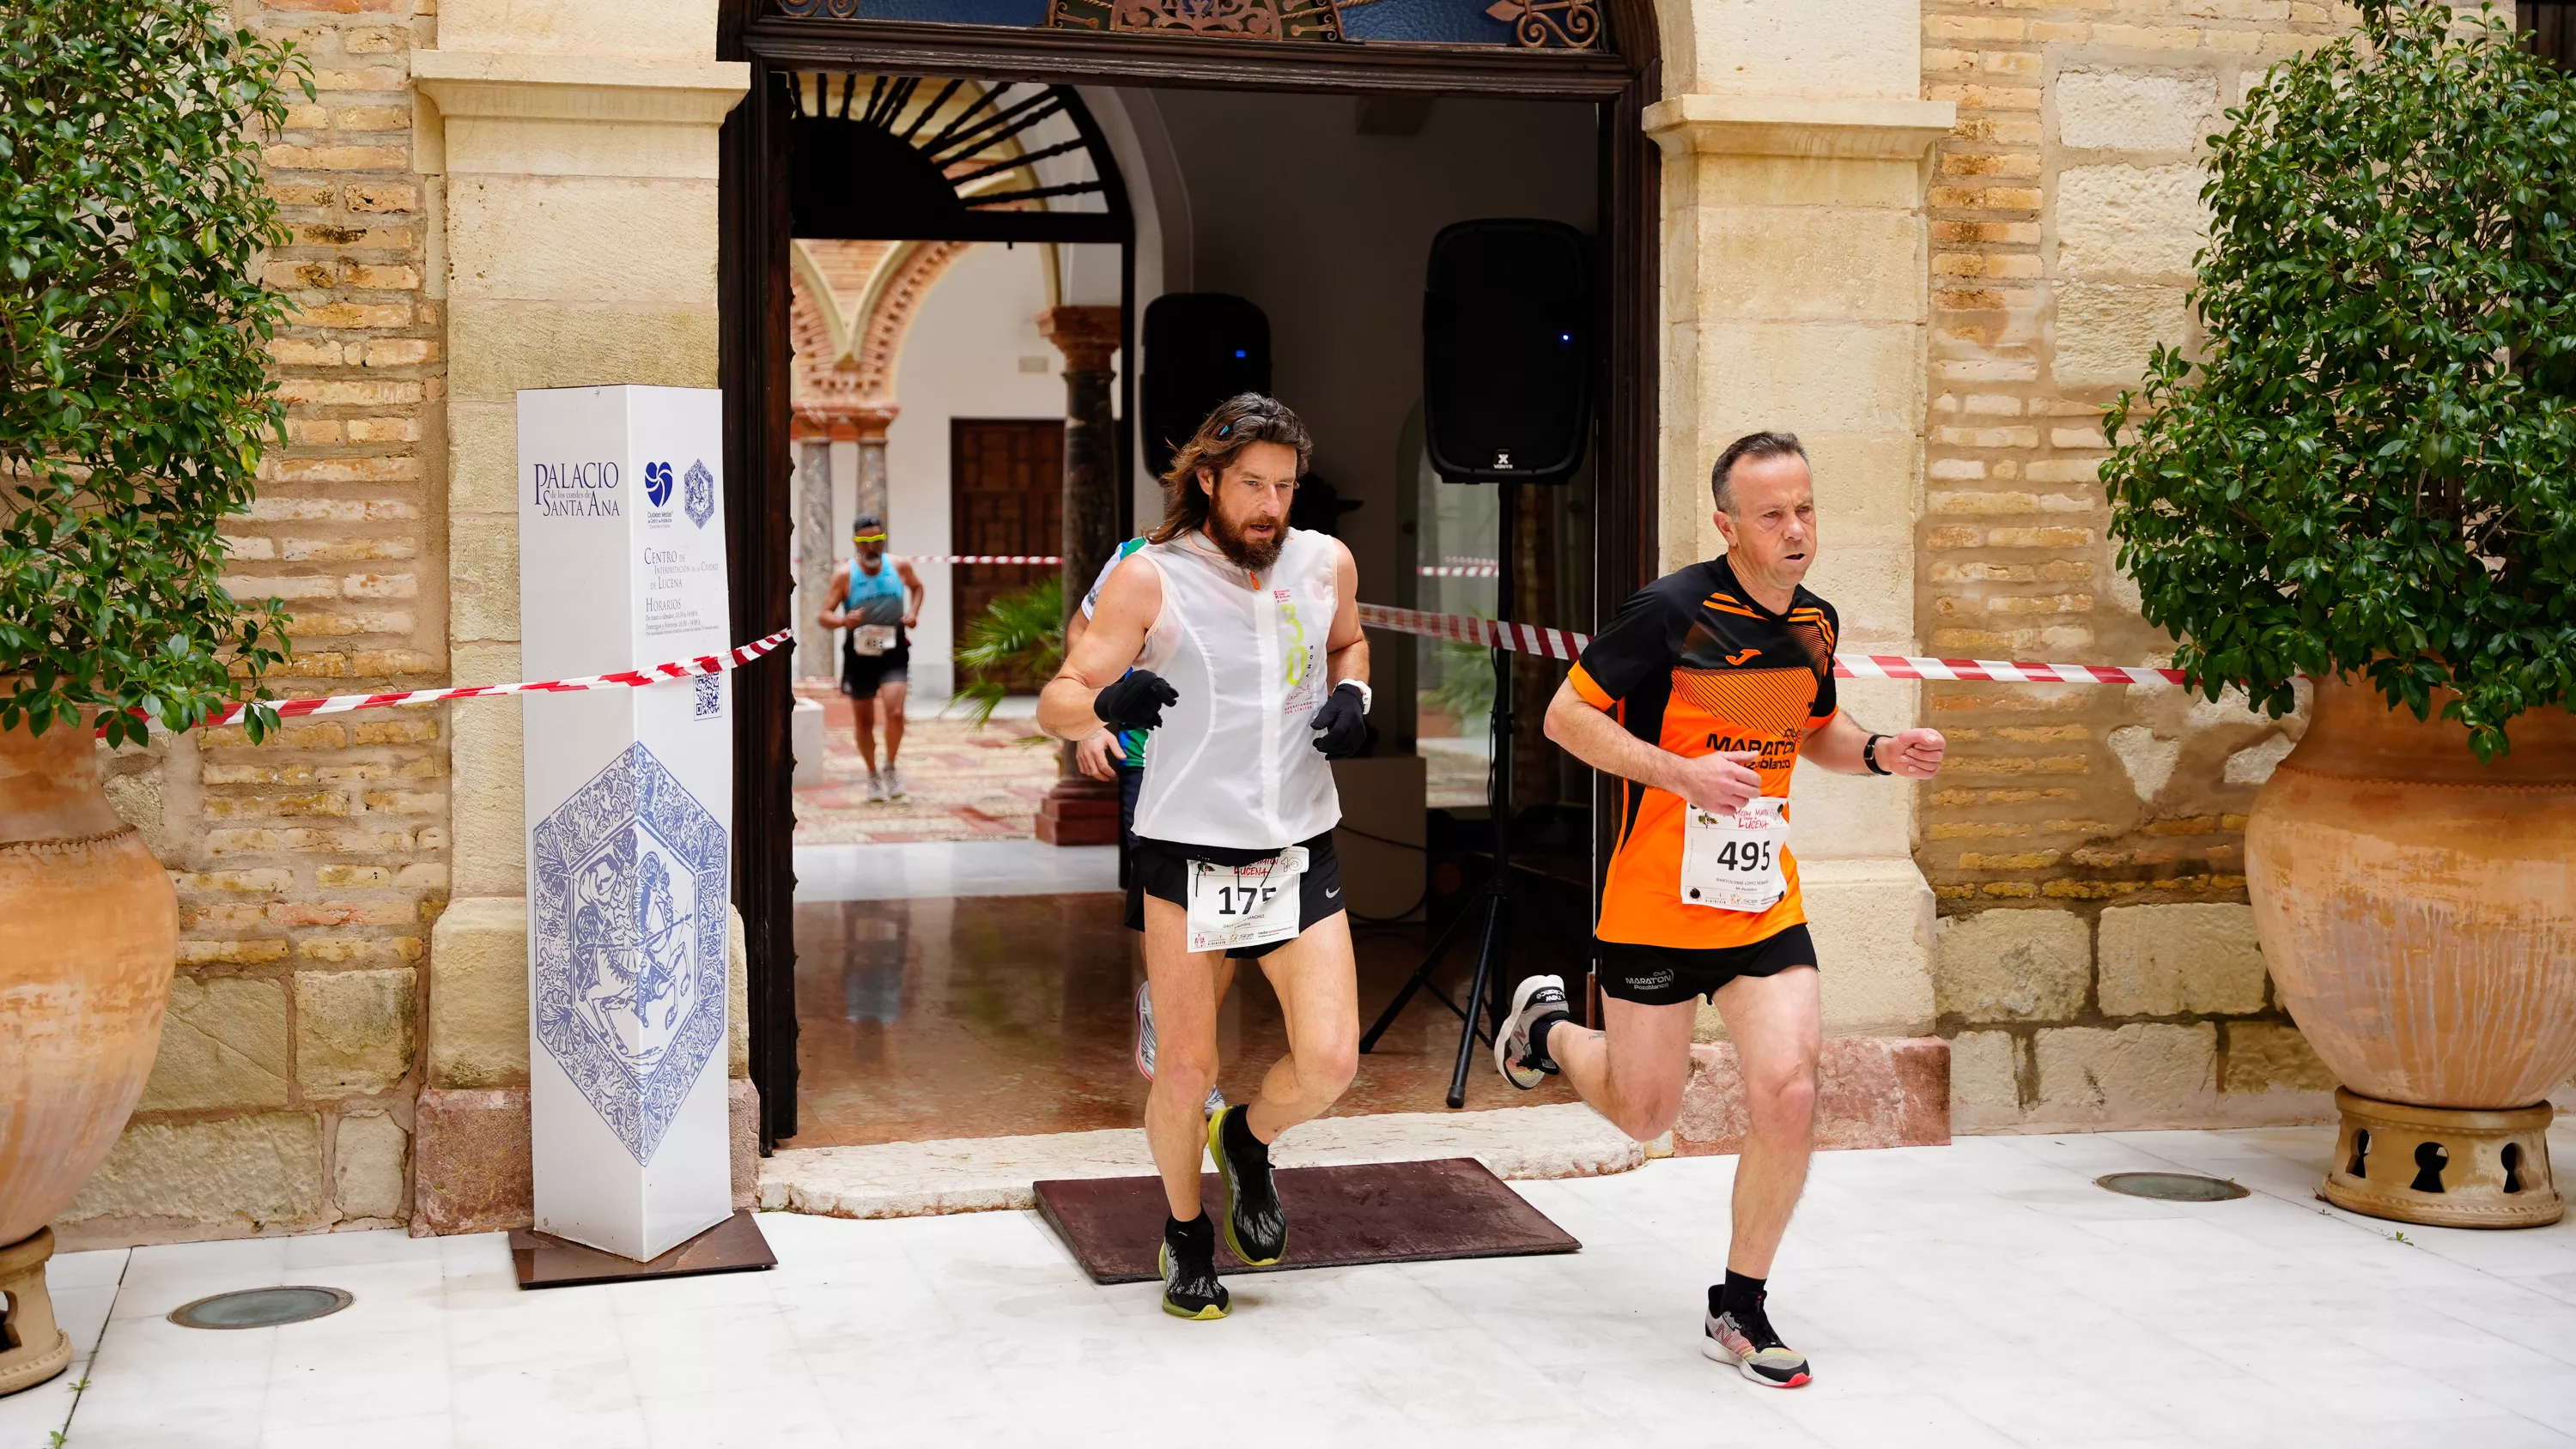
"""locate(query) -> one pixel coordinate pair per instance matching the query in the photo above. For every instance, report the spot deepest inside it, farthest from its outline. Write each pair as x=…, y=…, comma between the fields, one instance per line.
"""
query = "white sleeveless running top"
x=1235, y=763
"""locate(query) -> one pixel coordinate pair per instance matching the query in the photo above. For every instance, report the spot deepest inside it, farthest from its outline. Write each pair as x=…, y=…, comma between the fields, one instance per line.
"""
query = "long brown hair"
x=1237, y=423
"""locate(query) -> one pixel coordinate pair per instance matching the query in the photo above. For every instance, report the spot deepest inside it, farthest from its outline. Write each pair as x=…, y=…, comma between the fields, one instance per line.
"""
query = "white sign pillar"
x=630, y=809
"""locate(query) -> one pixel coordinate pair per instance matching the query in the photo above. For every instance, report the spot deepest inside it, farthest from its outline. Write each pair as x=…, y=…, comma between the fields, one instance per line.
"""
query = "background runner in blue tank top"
x=876, y=597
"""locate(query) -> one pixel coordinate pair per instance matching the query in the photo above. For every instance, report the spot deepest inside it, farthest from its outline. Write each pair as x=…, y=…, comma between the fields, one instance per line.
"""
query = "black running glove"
x=1341, y=726
x=1135, y=702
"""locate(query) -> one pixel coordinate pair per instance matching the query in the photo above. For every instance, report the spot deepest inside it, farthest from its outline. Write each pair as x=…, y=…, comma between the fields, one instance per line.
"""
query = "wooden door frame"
x=752, y=297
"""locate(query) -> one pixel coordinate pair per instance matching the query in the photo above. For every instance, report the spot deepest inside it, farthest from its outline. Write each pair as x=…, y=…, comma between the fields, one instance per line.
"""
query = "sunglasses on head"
x=867, y=538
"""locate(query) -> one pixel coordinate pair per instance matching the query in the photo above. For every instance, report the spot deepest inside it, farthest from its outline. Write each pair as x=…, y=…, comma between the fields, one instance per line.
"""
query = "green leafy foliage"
x=1017, y=640
x=135, y=401
x=2370, y=468
x=1466, y=687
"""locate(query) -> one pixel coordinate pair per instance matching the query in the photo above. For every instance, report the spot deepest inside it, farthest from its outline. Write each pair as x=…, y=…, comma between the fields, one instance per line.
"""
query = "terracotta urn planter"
x=91, y=932
x=2417, y=910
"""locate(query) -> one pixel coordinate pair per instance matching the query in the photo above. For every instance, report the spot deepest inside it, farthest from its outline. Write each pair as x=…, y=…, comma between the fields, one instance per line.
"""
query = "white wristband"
x=1366, y=698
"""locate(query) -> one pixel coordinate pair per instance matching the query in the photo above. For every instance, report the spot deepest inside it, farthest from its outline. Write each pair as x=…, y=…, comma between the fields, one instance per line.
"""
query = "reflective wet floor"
x=998, y=1015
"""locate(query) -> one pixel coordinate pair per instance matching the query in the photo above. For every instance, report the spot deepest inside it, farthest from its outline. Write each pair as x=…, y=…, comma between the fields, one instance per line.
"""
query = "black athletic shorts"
x=1670, y=975
x=1162, y=870
x=863, y=674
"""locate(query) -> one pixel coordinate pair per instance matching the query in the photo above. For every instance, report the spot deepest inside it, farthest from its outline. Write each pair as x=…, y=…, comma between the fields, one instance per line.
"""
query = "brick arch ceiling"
x=851, y=302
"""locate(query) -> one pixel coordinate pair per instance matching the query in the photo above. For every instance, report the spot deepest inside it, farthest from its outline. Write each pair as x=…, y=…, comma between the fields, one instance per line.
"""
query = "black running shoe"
x=1190, y=1286
x=1743, y=1337
x=1255, y=1227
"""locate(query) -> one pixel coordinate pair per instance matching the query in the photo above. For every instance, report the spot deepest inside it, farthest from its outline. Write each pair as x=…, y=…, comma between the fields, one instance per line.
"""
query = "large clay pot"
x=2417, y=910
x=91, y=931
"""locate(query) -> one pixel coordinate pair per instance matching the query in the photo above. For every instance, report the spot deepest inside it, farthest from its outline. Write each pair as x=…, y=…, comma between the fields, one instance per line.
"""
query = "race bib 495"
x=1731, y=861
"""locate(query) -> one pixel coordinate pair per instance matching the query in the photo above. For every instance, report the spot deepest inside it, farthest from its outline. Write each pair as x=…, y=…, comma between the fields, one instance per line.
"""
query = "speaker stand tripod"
x=1493, y=899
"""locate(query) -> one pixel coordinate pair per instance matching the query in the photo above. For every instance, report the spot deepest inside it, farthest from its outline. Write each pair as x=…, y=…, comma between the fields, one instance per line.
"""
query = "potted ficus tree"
x=134, y=405
x=2367, y=476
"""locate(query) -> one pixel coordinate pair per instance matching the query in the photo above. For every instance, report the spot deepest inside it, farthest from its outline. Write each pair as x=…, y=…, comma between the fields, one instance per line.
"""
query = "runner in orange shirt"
x=1701, y=696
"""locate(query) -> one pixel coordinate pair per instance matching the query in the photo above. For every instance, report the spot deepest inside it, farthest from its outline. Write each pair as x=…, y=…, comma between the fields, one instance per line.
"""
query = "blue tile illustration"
x=629, y=908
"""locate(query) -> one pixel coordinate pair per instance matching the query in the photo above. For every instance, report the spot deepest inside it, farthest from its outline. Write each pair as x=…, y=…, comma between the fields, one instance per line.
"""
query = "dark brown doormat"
x=543, y=1260
x=1378, y=1212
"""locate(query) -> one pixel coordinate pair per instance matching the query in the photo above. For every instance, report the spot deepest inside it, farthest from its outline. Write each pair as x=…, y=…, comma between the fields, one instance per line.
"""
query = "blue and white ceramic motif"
x=629, y=936
x=699, y=487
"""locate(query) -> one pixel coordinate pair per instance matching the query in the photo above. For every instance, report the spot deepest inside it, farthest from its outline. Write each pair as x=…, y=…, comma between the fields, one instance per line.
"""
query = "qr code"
x=710, y=688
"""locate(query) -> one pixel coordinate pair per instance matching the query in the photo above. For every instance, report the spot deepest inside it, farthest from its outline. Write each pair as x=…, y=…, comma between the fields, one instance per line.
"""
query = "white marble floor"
x=1980, y=1294
x=952, y=868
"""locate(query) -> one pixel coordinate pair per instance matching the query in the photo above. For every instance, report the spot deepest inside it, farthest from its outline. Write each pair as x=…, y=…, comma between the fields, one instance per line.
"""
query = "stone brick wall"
x=310, y=868
x=2096, y=965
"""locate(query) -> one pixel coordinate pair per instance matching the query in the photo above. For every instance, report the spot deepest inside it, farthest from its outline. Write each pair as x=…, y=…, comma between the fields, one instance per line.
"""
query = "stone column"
x=1080, y=810
x=815, y=656
x=867, y=427
x=566, y=132
x=819, y=425
x=1818, y=152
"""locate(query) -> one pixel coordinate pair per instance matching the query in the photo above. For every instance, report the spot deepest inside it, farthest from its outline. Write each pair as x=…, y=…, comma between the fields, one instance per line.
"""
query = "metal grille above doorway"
x=1513, y=24
x=908, y=158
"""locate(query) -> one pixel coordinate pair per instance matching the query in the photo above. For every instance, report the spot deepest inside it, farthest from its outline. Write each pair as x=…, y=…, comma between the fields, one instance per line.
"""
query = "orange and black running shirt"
x=1693, y=665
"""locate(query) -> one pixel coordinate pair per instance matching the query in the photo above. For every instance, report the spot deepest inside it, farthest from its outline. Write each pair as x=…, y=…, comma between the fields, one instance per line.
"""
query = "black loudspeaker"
x=1507, y=352
x=1200, y=349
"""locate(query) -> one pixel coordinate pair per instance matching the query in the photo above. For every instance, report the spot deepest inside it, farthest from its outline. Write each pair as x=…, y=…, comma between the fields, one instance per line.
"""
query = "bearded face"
x=1248, y=506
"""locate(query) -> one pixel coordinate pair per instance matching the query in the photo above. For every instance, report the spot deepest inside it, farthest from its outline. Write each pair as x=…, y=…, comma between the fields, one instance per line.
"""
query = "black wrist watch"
x=1869, y=756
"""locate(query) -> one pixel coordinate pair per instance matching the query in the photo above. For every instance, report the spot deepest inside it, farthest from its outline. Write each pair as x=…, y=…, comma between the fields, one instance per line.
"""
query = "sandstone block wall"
x=2085, y=842
x=2118, y=1016
x=310, y=868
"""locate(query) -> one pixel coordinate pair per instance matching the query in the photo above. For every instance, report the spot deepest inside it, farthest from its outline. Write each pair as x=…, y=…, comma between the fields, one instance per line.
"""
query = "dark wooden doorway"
x=1005, y=496
x=782, y=37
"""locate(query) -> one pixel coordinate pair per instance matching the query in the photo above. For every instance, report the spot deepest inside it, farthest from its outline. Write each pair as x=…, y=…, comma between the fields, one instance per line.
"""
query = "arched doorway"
x=1400, y=53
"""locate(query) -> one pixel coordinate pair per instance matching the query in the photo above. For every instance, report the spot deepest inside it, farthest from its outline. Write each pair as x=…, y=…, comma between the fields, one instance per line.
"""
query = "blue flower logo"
x=657, y=483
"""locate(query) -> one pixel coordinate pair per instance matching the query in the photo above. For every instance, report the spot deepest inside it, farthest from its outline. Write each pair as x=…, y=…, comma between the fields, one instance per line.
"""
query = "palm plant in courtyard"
x=1016, y=643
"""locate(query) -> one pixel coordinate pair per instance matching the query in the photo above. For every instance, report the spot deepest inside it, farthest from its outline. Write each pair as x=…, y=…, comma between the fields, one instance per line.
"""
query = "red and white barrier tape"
x=1468, y=629
x=624, y=679
x=1458, y=571
x=1567, y=645
x=1562, y=644
x=980, y=558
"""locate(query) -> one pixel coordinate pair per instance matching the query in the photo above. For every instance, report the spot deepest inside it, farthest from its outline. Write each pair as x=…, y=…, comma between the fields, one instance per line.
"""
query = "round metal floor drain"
x=260, y=1308
x=2171, y=1186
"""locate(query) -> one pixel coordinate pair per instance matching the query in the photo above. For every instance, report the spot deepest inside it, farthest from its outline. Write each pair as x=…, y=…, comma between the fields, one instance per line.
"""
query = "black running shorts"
x=1162, y=870
x=1670, y=975
x=862, y=675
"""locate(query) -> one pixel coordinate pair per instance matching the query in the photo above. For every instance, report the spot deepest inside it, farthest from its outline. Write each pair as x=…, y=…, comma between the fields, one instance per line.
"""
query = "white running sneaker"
x=1757, y=1353
x=893, y=782
x=1536, y=999
x=1145, y=1044
x=876, y=788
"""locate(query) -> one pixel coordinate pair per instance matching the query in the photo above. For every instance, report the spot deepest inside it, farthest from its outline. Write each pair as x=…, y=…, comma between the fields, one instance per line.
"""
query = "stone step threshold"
x=992, y=1174
x=1872, y=1092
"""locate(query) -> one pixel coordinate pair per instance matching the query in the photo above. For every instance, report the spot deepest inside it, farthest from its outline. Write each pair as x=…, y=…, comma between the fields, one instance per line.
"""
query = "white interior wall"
x=1159, y=200
x=962, y=358
x=1328, y=231
x=1328, y=235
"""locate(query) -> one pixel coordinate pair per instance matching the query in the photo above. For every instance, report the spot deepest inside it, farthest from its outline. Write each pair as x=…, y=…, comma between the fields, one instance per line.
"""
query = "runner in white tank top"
x=1237, y=639
x=1237, y=765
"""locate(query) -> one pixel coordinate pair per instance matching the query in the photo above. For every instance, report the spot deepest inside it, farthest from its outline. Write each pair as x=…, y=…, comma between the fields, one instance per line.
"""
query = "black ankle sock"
x=1239, y=1139
x=1198, y=1231
x=1737, y=1292
x=1538, y=1035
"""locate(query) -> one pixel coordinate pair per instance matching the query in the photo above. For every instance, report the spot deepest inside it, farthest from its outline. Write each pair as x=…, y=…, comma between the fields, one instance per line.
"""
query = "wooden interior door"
x=1005, y=496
